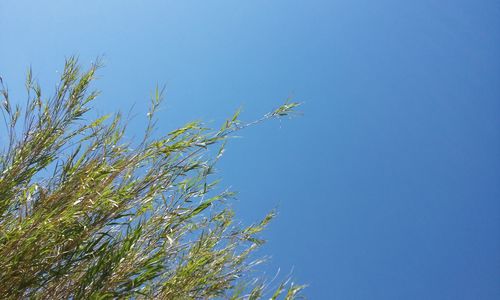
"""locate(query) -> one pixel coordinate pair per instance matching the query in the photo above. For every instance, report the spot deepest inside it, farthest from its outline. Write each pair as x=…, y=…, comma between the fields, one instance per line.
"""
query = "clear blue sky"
x=388, y=187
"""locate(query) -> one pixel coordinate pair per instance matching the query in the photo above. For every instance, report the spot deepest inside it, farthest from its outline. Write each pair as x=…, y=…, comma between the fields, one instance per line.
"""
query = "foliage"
x=85, y=214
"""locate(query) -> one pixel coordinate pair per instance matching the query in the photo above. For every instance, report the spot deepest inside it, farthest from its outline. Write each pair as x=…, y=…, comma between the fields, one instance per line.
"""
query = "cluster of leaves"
x=87, y=215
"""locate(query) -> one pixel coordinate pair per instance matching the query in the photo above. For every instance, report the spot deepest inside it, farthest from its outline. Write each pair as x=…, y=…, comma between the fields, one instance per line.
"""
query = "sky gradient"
x=388, y=187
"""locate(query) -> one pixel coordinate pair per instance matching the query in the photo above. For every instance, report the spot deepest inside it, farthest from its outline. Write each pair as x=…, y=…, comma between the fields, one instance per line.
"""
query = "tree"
x=85, y=214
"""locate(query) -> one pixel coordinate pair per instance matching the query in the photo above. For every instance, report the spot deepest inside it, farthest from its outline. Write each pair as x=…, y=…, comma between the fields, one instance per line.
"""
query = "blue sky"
x=387, y=187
